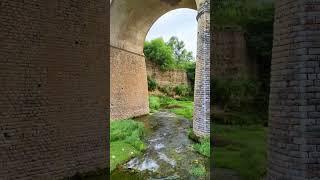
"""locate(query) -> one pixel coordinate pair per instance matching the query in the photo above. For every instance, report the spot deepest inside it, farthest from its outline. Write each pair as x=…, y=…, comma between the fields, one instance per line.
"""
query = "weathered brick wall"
x=53, y=88
x=201, y=115
x=230, y=54
x=294, y=124
x=129, y=86
x=168, y=77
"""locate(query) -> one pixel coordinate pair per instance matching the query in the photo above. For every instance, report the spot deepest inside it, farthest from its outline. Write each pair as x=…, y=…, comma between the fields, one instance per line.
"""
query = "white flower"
x=113, y=157
x=131, y=152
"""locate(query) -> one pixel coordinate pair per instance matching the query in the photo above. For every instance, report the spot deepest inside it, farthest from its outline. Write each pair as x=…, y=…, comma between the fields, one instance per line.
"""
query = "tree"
x=157, y=51
x=179, y=51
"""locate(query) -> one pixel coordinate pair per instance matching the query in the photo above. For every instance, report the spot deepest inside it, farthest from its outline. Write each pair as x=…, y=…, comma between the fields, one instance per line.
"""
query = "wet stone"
x=169, y=154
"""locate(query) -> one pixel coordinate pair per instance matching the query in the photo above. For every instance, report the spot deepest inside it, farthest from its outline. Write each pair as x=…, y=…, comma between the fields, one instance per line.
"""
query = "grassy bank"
x=242, y=149
x=125, y=141
x=182, y=107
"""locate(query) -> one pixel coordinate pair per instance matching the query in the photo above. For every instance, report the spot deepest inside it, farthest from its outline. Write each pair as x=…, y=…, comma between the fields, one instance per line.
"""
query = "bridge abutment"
x=294, y=113
x=201, y=115
x=129, y=86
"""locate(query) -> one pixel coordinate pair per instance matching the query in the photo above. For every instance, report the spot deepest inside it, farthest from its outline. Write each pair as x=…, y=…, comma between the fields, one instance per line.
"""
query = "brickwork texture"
x=294, y=112
x=53, y=88
x=168, y=77
x=201, y=115
x=129, y=86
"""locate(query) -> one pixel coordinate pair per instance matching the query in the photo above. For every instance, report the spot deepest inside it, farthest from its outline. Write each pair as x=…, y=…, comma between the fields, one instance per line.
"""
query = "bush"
x=235, y=94
x=152, y=84
x=182, y=90
x=154, y=103
x=168, y=90
x=157, y=51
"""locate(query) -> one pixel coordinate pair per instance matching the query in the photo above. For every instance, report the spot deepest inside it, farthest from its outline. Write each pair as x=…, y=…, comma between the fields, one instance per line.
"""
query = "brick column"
x=201, y=115
x=294, y=108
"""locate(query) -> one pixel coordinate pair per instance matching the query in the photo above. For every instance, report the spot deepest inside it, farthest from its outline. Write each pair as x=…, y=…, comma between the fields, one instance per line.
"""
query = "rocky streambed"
x=169, y=154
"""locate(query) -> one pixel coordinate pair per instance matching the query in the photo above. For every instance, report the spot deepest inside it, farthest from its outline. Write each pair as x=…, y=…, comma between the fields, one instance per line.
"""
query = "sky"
x=181, y=23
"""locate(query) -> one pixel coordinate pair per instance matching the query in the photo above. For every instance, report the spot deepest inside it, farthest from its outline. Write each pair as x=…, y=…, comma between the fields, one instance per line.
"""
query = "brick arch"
x=129, y=24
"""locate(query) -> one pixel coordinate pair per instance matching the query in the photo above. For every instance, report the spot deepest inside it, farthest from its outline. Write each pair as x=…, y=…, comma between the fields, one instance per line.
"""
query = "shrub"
x=234, y=94
x=182, y=90
x=154, y=103
x=152, y=84
x=157, y=51
x=168, y=90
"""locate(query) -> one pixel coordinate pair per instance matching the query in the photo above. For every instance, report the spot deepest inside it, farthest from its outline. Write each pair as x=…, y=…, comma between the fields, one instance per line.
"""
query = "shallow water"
x=169, y=154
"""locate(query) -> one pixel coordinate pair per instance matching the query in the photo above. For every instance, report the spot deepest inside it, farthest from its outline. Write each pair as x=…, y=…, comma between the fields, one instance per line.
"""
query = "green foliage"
x=120, y=152
x=198, y=170
x=169, y=55
x=244, y=101
x=255, y=18
x=191, y=71
x=203, y=147
x=242, y=149
x=240, y=118
x=241, y=12
x=125, y=141
x=128, y=131
x=154, y=103
x=234, y=94
x=180, y=53
x=152, y=84
x=157, y=51
x=181, y=108
x=167, y=90
x=182, y=90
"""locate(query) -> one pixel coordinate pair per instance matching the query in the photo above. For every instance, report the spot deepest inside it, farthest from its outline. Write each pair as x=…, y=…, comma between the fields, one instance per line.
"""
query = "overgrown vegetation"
x=159, y=52
x=170, y=55
x=198, y=170
x=203, y=147
x=246, y=99
x=154, y=103
x=126, y=141
x=243, y=101
x=242, y=149
x=182, y=107
x=152, y=83
x=182, y=90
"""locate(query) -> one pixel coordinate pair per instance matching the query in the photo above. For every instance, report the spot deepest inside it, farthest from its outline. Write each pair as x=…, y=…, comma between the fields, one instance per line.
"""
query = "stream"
x=169, y=153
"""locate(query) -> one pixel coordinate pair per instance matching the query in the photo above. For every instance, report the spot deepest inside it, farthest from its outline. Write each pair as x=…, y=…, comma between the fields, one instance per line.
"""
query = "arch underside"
x=130, y=23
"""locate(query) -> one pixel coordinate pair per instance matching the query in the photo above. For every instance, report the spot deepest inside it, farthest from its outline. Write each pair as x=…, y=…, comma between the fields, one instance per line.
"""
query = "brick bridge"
x=53, y=83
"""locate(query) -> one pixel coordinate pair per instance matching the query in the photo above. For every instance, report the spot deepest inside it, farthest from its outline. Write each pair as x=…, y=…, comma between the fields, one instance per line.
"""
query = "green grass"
x=120, y=152
x=242, y=149
x=182, y=107
x=125, y=141
x=154, y=103
x=198, y=170
x=203, y=147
